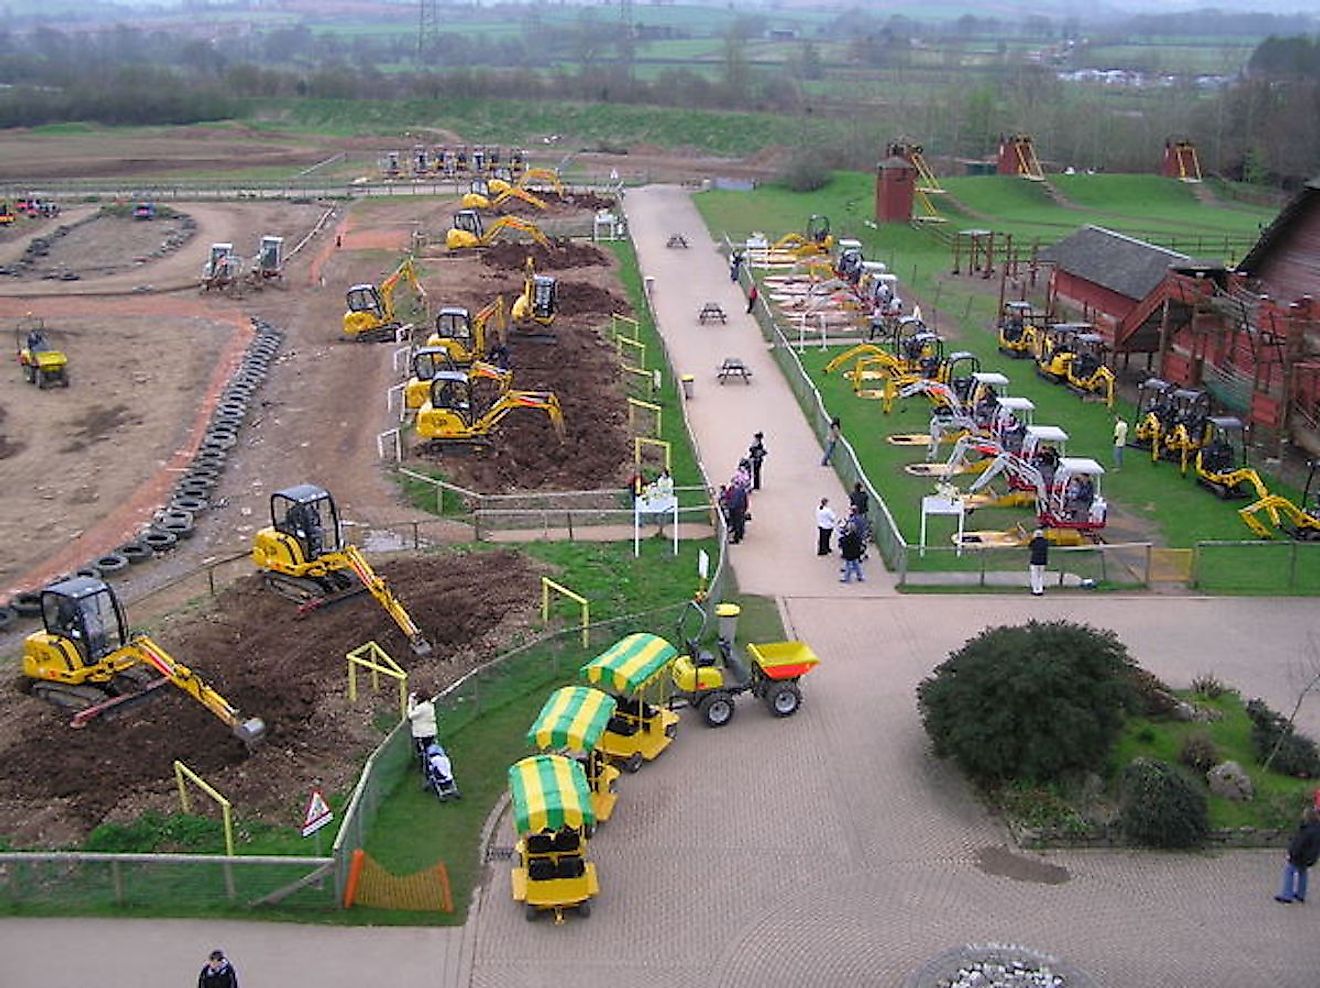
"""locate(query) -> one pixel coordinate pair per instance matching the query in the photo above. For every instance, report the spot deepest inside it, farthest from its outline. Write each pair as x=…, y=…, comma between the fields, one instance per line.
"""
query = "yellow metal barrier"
x=546, y=586
x=634, y=404
x=642, y=441
x=378, y=662
x=625, y=346
x=626, y=327
x=182, y=772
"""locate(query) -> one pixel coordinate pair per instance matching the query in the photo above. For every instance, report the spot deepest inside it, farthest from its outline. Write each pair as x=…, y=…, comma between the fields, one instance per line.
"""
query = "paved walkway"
x=829, y=848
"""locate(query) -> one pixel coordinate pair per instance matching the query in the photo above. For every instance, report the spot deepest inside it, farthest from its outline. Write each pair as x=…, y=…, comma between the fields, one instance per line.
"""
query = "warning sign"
x=318, y=814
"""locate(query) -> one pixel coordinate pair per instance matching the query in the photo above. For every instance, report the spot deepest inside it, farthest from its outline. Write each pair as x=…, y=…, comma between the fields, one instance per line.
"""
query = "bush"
x=1208, y=686
x=806, y=172
x=1150, y=696
x=1033, y=702
x=1161, y=807
x=1296, y=753
x=1199, y=752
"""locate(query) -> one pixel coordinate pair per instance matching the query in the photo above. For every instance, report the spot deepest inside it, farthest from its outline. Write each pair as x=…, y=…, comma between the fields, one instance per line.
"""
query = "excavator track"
x=381, y=334
x=69, y=697
x=312, y=594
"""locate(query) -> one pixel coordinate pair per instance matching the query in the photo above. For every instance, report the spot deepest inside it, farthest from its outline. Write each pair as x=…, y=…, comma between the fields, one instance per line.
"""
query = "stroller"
x=438, y=773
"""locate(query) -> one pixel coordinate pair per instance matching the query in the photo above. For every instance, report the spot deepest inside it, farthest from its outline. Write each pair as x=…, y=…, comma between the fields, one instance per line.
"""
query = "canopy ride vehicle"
x=572, y=722
x=771, y=675
x=1019, y=332
x=553, y=817
x=630, y=669
x=43, y=363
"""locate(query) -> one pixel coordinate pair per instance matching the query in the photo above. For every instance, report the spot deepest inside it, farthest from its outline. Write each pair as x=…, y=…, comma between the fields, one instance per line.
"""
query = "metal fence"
x=1257, y=567
x=79, y=882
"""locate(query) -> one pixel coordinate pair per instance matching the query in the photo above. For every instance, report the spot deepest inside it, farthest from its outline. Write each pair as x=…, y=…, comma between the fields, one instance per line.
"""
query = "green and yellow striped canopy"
x=549, y=792
x=573, y=717
x=630, y=663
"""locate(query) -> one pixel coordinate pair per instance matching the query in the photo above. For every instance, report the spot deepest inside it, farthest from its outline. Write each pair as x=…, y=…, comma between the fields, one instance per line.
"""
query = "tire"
x=783, y=699
x=7, y=617
x=717, y=709
x=111, y=563
x=186, y=502
x=214, y=460
x=135, y=552
x=530, y=912
x=633, y=763
x=584, y=908
x=89, y=571
x=168, y=517
x=160, y=540
x=180, y=530
x=26, y=604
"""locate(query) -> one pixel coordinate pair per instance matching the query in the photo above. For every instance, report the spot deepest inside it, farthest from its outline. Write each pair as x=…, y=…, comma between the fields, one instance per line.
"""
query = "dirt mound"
x=561, y=254
x=271, y=663
x=8, y=447
x=524, y=453
x=589, y=200
x=101, y=244
x=577, y=298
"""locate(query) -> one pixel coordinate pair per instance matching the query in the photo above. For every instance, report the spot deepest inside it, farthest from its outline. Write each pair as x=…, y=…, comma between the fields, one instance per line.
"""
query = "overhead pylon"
x=1181, y=161
x=926, y=184
x=1017, y=156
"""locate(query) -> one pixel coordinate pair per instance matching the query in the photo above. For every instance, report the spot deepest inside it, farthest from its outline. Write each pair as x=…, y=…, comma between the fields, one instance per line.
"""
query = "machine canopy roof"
x=573, y=717
x=630, y=663
x=549, y=792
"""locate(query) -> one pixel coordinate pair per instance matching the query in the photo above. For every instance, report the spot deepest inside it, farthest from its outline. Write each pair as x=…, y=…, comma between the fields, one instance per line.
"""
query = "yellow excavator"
x=1087, y=372
x=493, y=193
x=456, y=414
x=537, y=305
x=305, y=558
x=1186, y=430
x=538, y=179
x=466, y=337
x=1057, y=348
x=85, y=659
x=428, y=361
x=1300, y=523
x=1019, y=329
x=43, y=363
x=470, y=231
x=1221, y=465
x=370, y=315
x=815, y=240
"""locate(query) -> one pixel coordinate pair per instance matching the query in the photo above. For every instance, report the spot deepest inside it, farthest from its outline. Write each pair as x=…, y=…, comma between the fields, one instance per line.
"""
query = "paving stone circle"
x=996, y=965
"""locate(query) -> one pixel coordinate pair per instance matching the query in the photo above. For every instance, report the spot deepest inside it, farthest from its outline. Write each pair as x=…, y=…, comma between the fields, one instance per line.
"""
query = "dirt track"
x=86, y=466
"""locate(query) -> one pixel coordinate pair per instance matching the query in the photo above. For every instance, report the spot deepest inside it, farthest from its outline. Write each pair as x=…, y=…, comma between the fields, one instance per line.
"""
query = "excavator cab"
x=848, y=266
x=818, y=230
x=427, y=362
x=307, y=514
x=1058, y=349
x=1227, y=449
x=364, y=302
x=88, y=614
x=469, y=221
x=453, y=325
x=1017, y=329
x=539, y=300
x=960, y=370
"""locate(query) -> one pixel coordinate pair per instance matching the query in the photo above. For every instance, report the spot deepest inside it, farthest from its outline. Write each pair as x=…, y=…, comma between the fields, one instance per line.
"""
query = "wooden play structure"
x=1181, y=161
x=1017, y=156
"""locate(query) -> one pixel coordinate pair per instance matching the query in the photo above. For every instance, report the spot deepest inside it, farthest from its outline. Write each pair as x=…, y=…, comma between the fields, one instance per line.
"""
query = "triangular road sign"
x=318, y=814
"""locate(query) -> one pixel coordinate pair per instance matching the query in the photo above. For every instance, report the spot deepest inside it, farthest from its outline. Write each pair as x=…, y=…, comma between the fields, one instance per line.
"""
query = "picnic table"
x=712, y=312
x=734, y=367
x=677, y=240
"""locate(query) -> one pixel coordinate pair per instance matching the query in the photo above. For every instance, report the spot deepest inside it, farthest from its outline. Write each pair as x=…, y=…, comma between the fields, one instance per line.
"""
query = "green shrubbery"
x=1034, y=702
x=1272, y=735
x=1161, y=807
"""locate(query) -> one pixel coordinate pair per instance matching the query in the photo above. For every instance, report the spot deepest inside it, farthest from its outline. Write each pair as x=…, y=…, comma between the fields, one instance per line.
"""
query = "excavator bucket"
x=250, y=731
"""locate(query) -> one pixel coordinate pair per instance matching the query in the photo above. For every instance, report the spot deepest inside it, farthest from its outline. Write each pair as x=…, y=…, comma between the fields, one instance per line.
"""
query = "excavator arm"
x=378, y=588
x=1271, y=505
x=249, y=730
x=514, y=223
x=545, y=401
x=853, y=353
x=406, y=271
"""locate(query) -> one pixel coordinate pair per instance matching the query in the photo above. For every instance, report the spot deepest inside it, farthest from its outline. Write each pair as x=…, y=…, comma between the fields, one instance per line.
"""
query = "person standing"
x=859, y=499
x=217, y=972
x=421, y=721
x=757, y=452
x=735, y=263
x=826, y=519
x=852, y=544
x=831, y=440
x=752, y=296
x=737, y=513
x=1120, y=440
x=1303, y=852
x=1040, y=558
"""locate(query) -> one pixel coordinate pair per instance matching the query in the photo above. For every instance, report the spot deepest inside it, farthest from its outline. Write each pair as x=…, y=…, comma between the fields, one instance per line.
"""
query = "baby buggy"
x=438, y=773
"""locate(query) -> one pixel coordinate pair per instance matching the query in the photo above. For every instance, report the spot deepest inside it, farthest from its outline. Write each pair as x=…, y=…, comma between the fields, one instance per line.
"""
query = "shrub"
x=1032, y=702
x=1150, y=696
x=805, y=172
x=1199, y=752
x=1208, y=686
x=1293, y=753
x=1161, y=807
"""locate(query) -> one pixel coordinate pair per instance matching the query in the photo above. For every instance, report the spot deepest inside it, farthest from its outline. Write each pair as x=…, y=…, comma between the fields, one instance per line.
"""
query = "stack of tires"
x=192, y=494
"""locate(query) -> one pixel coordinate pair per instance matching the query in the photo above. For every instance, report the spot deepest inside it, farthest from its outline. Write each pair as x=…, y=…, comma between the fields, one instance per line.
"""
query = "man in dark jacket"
x=217, y=972
x=1040, y=557
x=737, y=513
x=1303, y=852
x=757, y=452
x=852, y=545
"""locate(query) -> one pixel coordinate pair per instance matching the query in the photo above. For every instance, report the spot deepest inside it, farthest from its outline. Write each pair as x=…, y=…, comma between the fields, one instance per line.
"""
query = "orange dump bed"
x=784, y=660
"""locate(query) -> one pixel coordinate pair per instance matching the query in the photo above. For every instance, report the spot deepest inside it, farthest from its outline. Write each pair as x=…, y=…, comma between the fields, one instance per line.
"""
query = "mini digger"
x=1297, y=521
x=470, y=231
x=428, y=361
x=304, y=558
x=536, y=306
x=457, y=413
x=467, y=337
x=1019, y=333
x=495, y=192
x=85, y=660
x=42, y=363
x=370, y=316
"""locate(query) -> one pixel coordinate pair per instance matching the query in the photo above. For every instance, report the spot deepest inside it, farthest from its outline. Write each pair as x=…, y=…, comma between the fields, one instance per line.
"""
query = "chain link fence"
x=1257, y=567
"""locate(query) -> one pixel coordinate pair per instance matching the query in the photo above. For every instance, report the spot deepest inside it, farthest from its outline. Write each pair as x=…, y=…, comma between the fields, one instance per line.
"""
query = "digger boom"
x=378, y=588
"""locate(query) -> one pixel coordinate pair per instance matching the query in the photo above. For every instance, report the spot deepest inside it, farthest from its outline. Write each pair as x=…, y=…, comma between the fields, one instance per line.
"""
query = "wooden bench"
x=712, y=312
x=734, y=367
x=677, y=240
